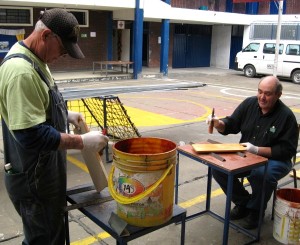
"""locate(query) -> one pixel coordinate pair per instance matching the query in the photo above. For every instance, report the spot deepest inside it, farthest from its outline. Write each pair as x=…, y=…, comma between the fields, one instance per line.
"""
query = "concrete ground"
x=192, y=175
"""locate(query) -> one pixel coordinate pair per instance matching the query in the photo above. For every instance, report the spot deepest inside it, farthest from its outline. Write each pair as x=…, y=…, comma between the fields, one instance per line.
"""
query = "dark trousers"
x=241, y=197
x=40, y=202
x=43, y=223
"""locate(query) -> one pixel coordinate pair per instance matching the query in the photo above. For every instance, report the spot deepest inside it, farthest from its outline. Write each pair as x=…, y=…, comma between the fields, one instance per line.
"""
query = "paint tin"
x=286, y=227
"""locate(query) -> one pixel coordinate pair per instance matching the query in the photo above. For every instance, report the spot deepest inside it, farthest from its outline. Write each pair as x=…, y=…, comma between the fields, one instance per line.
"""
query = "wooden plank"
x=233, y=162
x=218, y=148
x=93, y=162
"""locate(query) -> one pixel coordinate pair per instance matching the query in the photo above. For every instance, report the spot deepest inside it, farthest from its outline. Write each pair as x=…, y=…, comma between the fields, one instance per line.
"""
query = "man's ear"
x=279, y=94
x=46, y=34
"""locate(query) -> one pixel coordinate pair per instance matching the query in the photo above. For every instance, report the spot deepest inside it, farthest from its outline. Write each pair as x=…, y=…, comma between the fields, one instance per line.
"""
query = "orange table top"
x=230, y=161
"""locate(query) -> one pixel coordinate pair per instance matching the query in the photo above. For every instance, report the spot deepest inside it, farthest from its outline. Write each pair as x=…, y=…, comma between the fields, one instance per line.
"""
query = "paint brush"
x=211, y=125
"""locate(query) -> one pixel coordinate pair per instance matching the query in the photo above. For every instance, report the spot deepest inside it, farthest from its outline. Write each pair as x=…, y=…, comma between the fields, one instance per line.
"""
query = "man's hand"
x=74, y=118
x=94, y=141
x=251, y=148
x=214, y=120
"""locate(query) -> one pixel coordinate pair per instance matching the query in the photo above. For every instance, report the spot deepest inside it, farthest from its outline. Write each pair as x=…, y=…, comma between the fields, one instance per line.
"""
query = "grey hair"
x=278, y=85
x=40, y=26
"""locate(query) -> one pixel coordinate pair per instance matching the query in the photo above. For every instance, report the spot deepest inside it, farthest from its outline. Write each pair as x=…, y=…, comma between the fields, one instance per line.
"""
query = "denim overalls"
x=38, y=190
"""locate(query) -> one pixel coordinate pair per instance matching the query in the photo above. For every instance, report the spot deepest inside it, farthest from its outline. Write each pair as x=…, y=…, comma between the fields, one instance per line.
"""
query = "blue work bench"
x=98, y=207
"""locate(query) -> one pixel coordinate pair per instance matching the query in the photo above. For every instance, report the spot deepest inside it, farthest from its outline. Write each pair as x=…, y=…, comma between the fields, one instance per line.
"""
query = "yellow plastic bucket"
x=142, y=180
x=286, y=227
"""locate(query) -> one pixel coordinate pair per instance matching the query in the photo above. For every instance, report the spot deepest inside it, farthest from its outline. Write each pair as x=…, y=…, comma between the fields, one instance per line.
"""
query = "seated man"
x=268, y=128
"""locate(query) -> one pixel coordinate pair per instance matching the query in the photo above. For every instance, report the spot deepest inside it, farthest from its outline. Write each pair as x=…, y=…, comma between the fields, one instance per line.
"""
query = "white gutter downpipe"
x=280, y=7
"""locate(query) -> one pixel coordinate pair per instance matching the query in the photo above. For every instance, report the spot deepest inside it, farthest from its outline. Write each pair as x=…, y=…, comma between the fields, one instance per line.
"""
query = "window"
x=269, y=48
x=10, y=16
x=252, y=47
x=82, y=16
x=289, y=31
x=293, y=49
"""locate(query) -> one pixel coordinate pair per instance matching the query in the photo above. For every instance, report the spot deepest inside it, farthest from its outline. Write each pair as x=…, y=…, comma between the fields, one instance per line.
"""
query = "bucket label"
x=286, y=227
x=151, y=209
x=130, y=187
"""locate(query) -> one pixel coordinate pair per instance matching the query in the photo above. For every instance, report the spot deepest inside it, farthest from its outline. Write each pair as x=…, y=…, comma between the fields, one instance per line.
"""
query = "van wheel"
x=249, y=71
x=296, y=77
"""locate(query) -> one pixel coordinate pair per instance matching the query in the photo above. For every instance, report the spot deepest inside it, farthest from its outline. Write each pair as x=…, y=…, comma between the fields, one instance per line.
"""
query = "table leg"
x=121, y=243
x=227, y=209
x=183, y=229
x=127, y=65
x=262, y=203
x=176, y=179
x=208, y=189
x=67, y=228
x=93, y=67
x=106, y=67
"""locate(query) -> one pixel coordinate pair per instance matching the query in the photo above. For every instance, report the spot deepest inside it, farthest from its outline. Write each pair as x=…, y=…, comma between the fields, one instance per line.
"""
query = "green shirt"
x=24, y=98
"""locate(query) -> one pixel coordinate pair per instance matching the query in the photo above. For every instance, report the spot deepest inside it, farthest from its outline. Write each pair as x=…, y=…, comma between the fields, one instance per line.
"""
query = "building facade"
x=154, y=33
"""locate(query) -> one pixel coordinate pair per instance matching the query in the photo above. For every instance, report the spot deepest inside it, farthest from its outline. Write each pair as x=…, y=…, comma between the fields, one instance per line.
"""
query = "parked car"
x=257, y=58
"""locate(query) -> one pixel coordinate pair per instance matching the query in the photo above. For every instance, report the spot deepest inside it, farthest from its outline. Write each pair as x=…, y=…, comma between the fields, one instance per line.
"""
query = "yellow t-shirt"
x=24, y=98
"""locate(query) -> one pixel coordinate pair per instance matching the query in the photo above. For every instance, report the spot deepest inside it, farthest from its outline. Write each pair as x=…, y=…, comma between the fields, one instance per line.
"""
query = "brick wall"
x=190, y=4
x=216, y=5
x=264, y=8
x=239, y=8
x=154, y=46
x=292, y=7
x=94, y=48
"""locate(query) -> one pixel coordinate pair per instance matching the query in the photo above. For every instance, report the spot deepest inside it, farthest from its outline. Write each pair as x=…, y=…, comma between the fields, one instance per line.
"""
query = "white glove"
x=251, y=148
x=215, y=119
x=94, y=141
x=74, y=118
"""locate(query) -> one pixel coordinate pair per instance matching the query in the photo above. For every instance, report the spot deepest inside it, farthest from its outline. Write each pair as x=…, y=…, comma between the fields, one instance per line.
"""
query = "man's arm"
x=46, y=138
x=218, y=125
x=264, y=151
x=70, y=141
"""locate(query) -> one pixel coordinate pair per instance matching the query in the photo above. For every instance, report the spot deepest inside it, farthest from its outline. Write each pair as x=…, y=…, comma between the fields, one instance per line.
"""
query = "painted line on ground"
x=144, y=118
x=77, y=163
x=91, y=239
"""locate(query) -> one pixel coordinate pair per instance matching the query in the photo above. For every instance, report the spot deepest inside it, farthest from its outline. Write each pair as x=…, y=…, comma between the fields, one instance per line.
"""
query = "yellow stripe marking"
x=202, y=198
x=78, y=163
x=144, y=118
x=91, y=240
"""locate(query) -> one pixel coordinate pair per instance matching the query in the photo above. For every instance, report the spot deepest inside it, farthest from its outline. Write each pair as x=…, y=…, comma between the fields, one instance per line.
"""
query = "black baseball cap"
x=65, y=25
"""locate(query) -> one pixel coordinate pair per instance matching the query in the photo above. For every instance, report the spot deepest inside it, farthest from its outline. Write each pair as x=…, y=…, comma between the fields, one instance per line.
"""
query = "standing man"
x=34, y=120
x=268, y=128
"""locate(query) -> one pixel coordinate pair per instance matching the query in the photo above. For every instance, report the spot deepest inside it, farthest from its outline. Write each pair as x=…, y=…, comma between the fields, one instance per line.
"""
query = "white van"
x=257, y=58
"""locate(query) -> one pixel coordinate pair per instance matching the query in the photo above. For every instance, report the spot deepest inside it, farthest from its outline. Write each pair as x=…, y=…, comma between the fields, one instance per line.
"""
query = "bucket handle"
x=128, y=200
